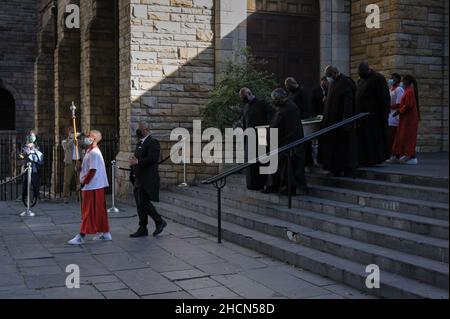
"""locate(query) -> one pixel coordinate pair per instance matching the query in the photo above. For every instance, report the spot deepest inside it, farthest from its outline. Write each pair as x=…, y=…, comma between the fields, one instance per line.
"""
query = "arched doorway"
x=7, y=111
x=286, y=33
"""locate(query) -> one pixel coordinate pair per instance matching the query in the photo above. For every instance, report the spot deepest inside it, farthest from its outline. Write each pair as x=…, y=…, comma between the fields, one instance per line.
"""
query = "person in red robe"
x=93, y=180
x=405, y=142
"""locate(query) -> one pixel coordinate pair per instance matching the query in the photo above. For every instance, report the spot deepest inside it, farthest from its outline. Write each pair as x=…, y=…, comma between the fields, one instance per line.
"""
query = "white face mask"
x=330, y=79
x=88, y=141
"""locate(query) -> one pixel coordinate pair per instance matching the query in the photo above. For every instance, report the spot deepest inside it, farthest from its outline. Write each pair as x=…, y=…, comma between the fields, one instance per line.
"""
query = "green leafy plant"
x=224, y=107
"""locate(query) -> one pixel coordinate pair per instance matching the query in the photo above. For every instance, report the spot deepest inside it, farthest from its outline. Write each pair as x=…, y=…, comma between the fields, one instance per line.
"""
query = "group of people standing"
x=388, y=133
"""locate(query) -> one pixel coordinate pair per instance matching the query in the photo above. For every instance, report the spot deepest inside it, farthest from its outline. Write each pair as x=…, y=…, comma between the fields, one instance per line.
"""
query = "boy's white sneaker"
x=77, y=240
x=104, y=237
x=411, y=161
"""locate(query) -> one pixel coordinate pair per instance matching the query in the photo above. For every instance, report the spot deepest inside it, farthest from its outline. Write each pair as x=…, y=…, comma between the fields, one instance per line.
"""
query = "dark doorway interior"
x=286, y=34
x=7, y=111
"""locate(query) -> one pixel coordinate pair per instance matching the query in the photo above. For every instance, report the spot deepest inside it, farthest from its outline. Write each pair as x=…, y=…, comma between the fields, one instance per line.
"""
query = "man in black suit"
x=145, y=178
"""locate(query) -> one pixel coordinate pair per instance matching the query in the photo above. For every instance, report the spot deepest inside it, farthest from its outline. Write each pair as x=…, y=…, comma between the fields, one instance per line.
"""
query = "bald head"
x=364, y=70
x=291, y=84
x=246, y=95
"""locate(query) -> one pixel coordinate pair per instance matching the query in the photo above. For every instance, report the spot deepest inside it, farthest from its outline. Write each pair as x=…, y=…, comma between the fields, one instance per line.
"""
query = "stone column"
x=167, y=58
x=98, y=64
x=67, y=81
x=335, y=34
x=44, y=70
x=230, y=29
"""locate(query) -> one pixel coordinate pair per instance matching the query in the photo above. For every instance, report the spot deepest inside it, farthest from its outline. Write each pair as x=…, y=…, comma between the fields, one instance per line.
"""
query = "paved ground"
x=181, y=263
x=430, y=165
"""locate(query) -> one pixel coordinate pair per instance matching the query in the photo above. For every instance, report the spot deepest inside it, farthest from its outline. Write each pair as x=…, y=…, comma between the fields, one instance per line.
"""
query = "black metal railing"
x=219, y=181
x=51, y=173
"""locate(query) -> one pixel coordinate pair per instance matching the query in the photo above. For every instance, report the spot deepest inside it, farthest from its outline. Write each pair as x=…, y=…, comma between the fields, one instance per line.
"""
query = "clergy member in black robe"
x=257, y=112
x=372, y=96
x=287, y=120
x=299, y=96
x=337, y=149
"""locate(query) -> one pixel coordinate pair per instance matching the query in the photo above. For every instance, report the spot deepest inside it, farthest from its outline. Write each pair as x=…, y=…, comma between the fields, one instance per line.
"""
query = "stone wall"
x=412, y=39
x=18, y=26
x=171, y=73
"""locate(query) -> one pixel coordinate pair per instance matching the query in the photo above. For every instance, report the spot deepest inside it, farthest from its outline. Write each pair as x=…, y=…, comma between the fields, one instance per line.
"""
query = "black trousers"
x=145, y=207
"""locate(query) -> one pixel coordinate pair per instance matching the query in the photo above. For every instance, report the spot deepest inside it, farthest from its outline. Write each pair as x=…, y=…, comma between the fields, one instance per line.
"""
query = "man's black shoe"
x=141, y=232
x=160, y=228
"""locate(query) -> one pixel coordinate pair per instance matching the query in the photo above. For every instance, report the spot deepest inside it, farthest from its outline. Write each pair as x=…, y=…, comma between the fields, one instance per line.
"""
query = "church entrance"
x=286, y=33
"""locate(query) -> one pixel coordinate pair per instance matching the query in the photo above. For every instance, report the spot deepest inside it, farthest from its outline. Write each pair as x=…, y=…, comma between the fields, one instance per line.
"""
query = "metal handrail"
x=219, y=181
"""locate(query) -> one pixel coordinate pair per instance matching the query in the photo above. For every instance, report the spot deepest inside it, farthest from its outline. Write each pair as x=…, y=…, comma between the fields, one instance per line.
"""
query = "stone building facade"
x=18, y=22
x=157, y=60
x=413, y=39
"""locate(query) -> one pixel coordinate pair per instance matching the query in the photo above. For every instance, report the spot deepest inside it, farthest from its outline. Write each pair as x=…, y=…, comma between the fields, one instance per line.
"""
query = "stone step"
x=385, y=202
x=376, y=174
x=422, y=269
x=425, y=193
x=324, y=264
x=433, y=248
x=256, y=201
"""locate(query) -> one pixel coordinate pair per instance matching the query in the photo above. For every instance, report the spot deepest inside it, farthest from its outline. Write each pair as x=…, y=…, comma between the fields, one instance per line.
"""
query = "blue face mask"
x=402, y=85
x=88, y=141
x=391, y=82
x=32, y=138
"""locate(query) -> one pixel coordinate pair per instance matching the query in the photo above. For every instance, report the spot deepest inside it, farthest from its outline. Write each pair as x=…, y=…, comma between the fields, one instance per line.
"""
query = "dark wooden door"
x=286, y=34
x=7, y=111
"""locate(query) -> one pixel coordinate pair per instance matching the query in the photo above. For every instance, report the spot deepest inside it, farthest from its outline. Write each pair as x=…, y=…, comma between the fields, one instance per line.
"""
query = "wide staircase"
x=398, y=222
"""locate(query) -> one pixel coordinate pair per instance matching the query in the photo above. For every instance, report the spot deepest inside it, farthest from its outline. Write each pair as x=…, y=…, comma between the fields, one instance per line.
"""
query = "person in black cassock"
x=257, y=112
x=299, y=96
x=287, y=120
x=372, y=96
x=337, y=149
x=145, y=179
x=318, y=97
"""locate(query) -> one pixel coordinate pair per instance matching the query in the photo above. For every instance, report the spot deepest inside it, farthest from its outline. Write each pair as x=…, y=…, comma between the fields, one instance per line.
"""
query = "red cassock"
x=406, y=137
x=94, y=218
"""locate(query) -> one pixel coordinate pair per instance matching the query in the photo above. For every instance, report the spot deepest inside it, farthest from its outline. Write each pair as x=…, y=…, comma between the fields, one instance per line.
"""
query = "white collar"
x=144, y=138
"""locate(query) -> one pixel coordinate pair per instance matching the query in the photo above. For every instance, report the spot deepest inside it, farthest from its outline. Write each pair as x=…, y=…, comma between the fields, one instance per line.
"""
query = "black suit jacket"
x=145, y=174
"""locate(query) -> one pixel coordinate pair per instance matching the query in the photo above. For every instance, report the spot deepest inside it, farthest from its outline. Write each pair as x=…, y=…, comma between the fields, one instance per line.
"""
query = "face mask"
x=402, y=85
x=32, y=138
x=330, y=79
x=88, y=141
x=139, y=133
x=391, y=82
x=71, y=135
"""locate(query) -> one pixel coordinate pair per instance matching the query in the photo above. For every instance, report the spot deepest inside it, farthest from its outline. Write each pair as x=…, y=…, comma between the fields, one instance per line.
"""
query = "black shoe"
x=160, y=228
x=141, y=232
